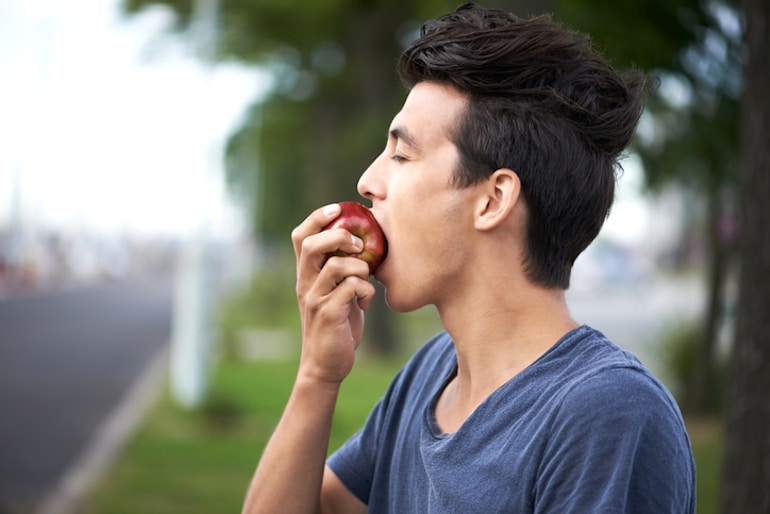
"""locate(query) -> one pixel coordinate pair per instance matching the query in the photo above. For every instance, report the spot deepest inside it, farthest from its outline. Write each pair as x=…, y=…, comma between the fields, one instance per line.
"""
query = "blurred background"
x=155, y=156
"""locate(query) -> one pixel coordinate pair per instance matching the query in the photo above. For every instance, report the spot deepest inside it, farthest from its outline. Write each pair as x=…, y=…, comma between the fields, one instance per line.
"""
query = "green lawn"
x=201, y=462
x=707, y=447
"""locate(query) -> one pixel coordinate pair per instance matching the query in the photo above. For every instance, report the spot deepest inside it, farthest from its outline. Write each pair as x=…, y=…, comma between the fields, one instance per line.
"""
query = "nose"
x=371, y=185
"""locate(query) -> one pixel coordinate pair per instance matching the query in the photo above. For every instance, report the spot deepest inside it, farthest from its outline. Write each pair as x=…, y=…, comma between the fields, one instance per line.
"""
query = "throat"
x=449, y=415
x=456, y=404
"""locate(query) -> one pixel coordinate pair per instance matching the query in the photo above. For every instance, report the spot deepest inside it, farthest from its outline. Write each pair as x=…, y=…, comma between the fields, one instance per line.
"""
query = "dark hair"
x=544, y=103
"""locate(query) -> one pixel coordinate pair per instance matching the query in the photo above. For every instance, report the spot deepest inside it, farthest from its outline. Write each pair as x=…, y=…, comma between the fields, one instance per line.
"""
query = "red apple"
x=359, y=221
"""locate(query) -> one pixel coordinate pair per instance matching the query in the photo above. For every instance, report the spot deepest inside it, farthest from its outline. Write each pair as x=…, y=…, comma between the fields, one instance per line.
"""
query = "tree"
x=696, y=46
x=335, y=91
x=746, y=470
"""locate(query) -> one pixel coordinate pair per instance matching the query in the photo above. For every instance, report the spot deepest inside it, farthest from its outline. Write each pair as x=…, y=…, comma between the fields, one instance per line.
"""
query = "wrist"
x=314, y=379
x=326, y=370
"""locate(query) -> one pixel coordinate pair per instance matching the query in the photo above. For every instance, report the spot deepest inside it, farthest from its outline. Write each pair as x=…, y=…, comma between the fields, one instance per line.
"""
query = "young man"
x=498, y=171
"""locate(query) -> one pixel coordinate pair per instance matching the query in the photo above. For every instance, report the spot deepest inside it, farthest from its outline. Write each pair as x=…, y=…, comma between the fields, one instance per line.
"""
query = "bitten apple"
x=359, y=221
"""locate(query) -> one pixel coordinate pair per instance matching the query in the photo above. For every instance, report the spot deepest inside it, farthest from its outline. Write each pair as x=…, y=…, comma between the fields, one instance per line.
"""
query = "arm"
x=332, y=294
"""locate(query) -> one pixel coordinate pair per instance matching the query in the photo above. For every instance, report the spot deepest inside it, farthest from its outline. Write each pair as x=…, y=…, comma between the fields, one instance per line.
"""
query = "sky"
x=107, y=123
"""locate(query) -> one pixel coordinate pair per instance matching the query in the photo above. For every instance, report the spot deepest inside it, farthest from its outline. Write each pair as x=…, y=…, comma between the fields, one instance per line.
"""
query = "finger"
x=353, y=290
x=337, y=308
x=332, y=241
x=316, y=251
x=336, y=270
x=313, y=224
x=365, y=300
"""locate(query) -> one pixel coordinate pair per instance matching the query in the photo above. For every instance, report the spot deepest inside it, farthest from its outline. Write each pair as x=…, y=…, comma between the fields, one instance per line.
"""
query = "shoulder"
x=601, y=376
x=605, y=398
x=619, y=398
x=612, y=421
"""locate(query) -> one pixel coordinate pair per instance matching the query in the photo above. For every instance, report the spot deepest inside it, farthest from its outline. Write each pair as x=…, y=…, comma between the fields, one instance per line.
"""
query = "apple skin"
x=359, y=221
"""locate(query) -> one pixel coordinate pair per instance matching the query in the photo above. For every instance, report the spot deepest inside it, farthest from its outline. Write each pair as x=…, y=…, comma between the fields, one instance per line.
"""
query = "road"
x=66, y=360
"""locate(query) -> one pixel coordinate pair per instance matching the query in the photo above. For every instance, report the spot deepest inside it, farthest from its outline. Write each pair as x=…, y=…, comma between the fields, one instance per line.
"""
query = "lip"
x=378, y=271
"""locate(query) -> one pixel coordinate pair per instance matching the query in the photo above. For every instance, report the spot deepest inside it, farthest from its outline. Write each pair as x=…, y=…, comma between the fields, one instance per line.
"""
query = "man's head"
x=543, y=103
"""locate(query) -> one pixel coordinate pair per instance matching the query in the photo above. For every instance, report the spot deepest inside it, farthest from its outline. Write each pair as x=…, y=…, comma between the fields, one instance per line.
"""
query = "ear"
x=497, y=197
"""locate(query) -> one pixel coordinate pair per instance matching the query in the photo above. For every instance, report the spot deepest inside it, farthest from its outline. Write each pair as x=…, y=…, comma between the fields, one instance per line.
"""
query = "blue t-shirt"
x=584, y=429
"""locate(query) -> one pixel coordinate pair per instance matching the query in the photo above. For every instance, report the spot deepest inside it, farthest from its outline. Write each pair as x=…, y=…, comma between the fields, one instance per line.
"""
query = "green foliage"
x=335, y=91
x=694, y=46
x=647, y=34
x=677, y=349
x=268, y=302
x=678, y=345
x=688, y=135
x=267, y=305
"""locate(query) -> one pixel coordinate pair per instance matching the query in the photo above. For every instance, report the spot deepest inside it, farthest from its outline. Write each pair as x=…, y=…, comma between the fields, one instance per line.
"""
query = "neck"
x=498, y=334
x=507, y=334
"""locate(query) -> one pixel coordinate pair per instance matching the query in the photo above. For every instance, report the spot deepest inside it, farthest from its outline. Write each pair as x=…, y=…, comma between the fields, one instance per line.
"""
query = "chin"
x=399, y=303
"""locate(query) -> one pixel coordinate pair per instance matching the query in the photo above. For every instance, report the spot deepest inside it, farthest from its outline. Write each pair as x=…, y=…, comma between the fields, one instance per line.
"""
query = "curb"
x=97, y=458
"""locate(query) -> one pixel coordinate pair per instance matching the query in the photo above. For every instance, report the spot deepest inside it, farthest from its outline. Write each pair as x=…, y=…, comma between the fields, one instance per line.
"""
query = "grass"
x=201, y=461
x=707, y=446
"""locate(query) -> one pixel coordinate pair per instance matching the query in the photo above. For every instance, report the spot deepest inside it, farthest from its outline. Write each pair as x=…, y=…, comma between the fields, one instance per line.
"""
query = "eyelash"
x=398, y=158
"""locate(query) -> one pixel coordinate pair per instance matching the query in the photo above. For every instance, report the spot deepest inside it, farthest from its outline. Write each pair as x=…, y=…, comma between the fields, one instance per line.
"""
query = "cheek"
x=430, y=236
x=425, y=214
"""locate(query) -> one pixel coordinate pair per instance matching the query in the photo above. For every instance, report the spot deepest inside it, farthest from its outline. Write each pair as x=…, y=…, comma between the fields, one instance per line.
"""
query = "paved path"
x=67, y=360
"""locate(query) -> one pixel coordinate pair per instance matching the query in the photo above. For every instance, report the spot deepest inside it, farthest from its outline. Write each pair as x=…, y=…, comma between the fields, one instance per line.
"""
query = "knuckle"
x=306, y=245
x=296, y=234
x=334, y=265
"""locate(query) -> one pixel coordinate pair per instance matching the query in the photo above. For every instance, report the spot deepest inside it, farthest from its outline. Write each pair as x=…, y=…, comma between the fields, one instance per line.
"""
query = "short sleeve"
x=355, y=460
x=616, y=443
x=365, y=463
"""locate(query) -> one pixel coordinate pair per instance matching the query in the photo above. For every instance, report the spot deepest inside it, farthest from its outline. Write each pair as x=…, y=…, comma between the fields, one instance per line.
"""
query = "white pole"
x=192, y=331
x=192, y=324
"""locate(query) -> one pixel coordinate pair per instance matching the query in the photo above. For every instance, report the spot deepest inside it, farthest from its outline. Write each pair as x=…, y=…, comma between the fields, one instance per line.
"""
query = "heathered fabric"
x=584, y=429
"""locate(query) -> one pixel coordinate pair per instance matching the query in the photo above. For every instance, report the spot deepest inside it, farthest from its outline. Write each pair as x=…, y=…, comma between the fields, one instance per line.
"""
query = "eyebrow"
x=402, y=134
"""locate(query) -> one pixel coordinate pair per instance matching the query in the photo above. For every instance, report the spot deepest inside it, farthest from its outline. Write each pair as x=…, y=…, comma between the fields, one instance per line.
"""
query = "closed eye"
x=398, y=158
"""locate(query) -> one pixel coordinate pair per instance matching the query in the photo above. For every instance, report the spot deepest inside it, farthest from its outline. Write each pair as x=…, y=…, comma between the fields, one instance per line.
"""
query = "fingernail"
x=357, y=241
x=331, y=209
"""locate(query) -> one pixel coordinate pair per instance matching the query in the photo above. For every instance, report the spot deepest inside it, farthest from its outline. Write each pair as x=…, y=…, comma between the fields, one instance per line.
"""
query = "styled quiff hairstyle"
x=543, y=103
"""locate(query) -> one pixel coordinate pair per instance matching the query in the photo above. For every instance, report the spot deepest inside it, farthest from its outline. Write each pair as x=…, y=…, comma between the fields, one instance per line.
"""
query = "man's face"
x=424, y=217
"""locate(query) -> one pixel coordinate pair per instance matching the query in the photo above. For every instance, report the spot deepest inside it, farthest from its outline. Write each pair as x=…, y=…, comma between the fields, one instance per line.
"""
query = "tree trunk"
x=746, y=471
x=702, y=392
x=377, y=91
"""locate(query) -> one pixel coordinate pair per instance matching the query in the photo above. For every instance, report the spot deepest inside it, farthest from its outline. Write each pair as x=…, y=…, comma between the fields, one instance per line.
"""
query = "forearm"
x=332, y=294
x=288, y=478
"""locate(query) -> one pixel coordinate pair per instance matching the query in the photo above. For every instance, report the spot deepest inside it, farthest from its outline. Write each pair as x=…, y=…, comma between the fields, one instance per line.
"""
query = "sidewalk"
x=108, y=441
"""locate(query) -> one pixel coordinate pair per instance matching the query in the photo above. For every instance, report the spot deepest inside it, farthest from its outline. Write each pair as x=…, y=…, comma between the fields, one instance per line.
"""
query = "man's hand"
x=333, y=293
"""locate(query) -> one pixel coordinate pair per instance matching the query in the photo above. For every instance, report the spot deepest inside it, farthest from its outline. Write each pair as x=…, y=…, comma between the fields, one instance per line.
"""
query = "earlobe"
x=497, y=198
